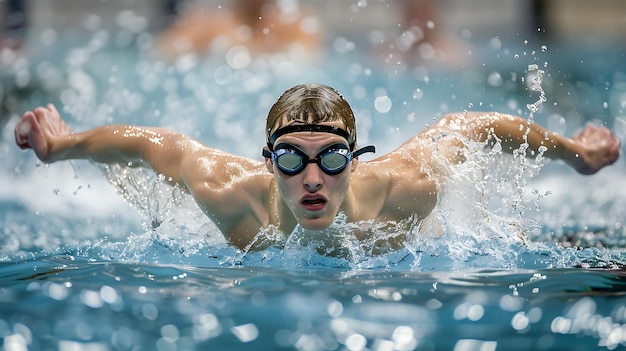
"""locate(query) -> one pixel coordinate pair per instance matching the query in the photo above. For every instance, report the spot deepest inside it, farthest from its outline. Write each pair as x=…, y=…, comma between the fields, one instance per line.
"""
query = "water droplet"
x=77, y=189
x=495, y=79
x=382, y=104
x=495, y=43
x=418, y=94
x=519, y=321
x=222, y=74
x=170, y=333
x=246, y=333
x=91, y=298
x=238, y=57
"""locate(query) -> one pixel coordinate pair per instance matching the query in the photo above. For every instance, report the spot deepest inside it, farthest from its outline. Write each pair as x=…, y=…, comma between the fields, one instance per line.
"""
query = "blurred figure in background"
x=261, y=26
x=424, y=39
x=12, y=36
x=12, y=24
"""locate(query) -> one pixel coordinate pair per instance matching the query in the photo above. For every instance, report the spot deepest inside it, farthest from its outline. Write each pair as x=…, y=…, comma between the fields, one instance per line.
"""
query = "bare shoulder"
x=216, y=173
x=232, y=190
x=401, y=183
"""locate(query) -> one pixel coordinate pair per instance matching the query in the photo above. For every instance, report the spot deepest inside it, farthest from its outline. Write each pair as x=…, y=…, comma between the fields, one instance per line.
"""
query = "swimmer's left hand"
x=600, y=147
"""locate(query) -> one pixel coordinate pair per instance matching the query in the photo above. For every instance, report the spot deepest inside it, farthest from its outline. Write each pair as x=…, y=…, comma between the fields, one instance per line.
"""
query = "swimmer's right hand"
x=39, y=130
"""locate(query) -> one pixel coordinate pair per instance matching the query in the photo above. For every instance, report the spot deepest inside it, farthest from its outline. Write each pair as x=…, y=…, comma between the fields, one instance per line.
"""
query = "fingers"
x=601, y=148
x=591, y=134
x=584, y=133
x=41, y=112
x=29, y=122
x=52, y=109
x=609, y=144
x=23, y=129
x=38, y=129
x=618, y=144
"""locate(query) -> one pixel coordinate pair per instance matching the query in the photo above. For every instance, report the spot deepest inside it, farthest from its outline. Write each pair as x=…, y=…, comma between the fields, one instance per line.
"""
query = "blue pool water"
x=531, y=256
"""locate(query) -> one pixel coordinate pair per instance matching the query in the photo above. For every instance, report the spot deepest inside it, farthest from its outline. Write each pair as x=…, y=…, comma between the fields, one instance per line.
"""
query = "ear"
x=355, y=162
x=268, y=162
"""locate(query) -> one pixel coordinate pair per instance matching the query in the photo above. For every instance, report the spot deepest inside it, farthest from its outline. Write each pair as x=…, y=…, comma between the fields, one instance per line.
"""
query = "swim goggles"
x=332, y=160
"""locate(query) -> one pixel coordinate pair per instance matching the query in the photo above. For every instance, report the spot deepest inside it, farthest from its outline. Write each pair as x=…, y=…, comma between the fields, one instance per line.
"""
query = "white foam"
x=59, y=190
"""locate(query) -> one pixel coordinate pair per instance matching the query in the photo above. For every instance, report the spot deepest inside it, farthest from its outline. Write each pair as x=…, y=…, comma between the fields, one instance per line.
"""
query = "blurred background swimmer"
x=13, y=21
x=424, y=38
x=259, y=26
x=12, y=25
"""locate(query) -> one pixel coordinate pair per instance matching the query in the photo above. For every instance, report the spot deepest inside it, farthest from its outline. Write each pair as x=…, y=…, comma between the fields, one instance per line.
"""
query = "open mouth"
x=313, y=203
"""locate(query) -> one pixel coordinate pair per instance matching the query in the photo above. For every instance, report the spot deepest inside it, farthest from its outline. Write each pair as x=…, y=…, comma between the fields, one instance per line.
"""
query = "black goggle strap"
x=271, y=139
x=267, y=153
x=363, y=150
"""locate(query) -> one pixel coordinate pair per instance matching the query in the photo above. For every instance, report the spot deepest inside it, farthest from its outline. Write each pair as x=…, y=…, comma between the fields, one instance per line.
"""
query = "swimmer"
x=261, y=26
x=310, y=172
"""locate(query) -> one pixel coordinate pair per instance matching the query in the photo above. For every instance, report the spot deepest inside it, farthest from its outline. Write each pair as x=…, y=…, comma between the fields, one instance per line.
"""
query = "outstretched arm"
x=587, y=151
x=52, y=140
x=230, y=189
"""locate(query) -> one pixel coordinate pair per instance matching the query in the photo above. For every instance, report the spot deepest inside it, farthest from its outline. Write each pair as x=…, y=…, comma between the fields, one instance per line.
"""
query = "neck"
x=281, y=214
x=349, y=207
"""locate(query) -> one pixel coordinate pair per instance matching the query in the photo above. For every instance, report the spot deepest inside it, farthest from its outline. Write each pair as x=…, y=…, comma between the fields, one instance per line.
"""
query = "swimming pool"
x=535, y=263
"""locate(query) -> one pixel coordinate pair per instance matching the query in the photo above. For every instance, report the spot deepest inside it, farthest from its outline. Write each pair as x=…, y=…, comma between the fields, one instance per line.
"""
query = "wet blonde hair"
x=310, y=104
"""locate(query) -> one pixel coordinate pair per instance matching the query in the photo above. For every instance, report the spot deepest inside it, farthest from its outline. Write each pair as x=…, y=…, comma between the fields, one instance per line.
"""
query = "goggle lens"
x=290, y=161
x=333, y=161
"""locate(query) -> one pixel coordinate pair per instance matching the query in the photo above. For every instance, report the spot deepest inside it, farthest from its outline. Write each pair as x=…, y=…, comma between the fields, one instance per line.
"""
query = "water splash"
x=482, y=215
x=526, y=169
x=475, y=224
x=536, y=78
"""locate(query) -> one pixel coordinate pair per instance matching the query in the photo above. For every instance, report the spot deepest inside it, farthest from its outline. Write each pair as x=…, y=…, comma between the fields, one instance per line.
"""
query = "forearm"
x=107, y=144
x=160, y=149
x=512, y=131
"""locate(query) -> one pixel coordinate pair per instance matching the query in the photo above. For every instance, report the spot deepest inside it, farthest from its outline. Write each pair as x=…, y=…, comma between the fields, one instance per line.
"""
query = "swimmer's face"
x=314, y=197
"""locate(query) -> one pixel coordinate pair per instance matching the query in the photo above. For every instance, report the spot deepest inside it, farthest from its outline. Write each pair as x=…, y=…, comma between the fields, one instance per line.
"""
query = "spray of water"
x=522, y=176
x=479, y=220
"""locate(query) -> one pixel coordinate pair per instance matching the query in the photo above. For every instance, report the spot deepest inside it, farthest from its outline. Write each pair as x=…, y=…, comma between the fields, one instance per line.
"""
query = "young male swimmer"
x=310, y=171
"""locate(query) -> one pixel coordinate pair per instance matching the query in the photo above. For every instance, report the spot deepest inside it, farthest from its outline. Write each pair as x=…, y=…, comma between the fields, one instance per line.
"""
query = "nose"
x=312, y=177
